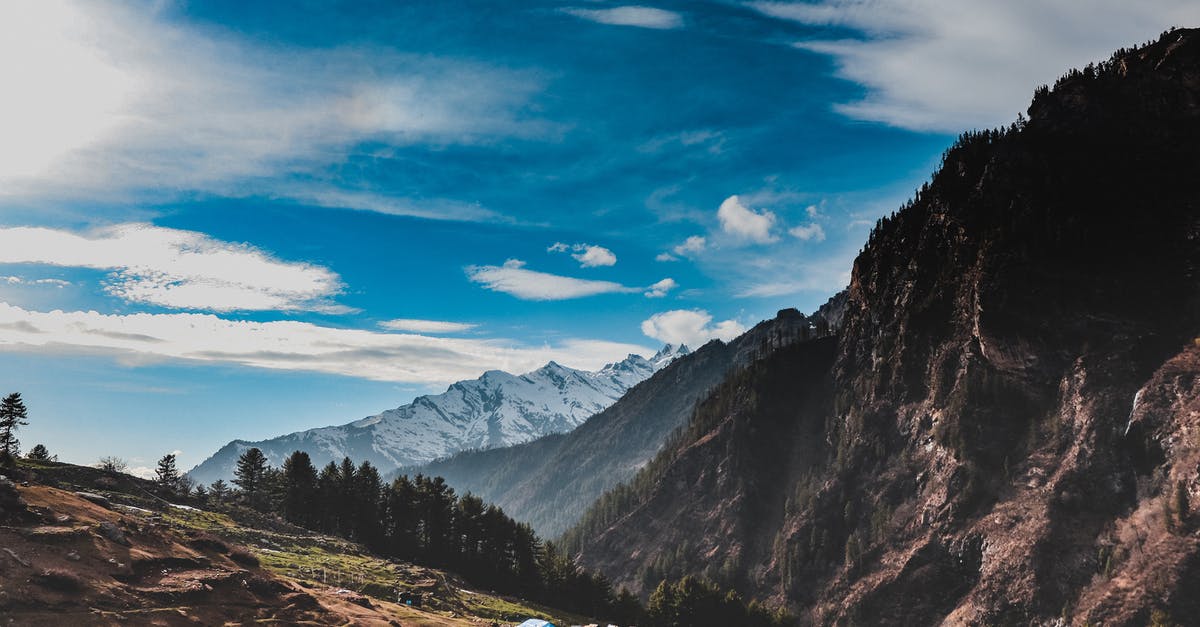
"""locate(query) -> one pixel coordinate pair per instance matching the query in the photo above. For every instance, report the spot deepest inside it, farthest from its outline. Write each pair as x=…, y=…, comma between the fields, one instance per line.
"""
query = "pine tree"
x=219, y=490
x=40, y=453
x=12, y=416
x=251, y=474
x=300, y=489
x=166, y=474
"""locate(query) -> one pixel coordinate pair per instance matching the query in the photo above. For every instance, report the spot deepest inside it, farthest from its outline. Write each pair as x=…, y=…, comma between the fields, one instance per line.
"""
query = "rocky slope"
x=550, y=481
x=1006, y=429
x=497, y=409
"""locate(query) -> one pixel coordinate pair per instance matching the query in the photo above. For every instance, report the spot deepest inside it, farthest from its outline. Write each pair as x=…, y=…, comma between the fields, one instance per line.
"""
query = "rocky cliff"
x=1005, y=430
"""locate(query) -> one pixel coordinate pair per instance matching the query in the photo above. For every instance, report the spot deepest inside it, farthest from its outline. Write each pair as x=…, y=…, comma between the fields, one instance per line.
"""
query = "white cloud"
x=950, y=65
x=745, y=223
x=514, y=279
x=660, y=289
x=588, y=255
x=689, y=326
x=644, y=17
x=808, y=232
x=665, y=257
x=137, y=339
x=426, y=326
x=593, y=256
x=109, y=99
x=691, y=246
x=178, y=269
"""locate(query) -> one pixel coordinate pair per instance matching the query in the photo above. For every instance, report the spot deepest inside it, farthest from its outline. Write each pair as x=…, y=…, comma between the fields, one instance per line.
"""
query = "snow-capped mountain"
x=497, y=409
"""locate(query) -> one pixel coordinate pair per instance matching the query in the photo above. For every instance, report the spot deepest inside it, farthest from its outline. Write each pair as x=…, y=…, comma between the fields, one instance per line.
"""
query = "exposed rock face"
x=1007, y=429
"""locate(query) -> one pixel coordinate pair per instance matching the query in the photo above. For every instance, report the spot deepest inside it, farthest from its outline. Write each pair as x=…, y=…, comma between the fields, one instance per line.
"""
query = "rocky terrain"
x=1005, y=429
x=80, y=546
x=498, y=409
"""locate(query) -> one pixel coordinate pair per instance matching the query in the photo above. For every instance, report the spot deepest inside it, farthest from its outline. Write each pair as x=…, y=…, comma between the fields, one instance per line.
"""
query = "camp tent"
x=534, y=622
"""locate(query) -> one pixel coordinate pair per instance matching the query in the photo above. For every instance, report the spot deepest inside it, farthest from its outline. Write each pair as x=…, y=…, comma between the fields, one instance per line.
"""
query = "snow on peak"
x=497, y=409
x=667, y=354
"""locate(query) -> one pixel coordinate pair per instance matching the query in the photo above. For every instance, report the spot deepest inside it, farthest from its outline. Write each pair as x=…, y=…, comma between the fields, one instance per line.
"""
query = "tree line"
x=421, y=519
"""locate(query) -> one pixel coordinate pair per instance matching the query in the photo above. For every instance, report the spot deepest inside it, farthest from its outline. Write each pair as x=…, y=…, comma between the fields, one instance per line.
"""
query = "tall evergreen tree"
x=300, y=489
x=368, y=529
x=166, y=474
x=328, y=498
x=13, y=415
x=251, y=474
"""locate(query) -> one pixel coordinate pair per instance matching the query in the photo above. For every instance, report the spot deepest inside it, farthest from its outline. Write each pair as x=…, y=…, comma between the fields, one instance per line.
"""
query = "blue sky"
x=220, y=221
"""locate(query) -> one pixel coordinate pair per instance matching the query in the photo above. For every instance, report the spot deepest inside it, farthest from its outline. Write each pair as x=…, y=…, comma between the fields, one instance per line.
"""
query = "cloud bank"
x=137, y=339
x=178, y=269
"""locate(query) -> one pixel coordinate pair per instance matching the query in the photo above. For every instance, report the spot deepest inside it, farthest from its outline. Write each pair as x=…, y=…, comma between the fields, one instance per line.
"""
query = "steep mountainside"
x=497, y=409
x=548, y=482
x=1006, y=429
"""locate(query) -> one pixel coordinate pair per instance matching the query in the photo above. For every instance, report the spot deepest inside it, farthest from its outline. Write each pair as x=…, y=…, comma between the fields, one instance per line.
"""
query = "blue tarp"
x=533, y=622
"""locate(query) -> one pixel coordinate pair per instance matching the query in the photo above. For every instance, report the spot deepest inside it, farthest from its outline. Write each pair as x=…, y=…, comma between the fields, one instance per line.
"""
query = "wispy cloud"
x=949, y=65
x=138, y=339
x=121, y=100
x=426, y=326
x=178, y=269
x=515, y=279
x=744, y=223
x=693, y=327
x=640, y=16
x=588, y=255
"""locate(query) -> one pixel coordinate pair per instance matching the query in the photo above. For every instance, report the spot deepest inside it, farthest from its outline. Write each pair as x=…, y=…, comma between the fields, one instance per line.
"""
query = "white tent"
x=534, y=622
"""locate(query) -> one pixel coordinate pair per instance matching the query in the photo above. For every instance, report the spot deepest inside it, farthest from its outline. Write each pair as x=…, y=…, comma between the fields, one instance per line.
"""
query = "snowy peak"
x=668, y=354
x=496, y=409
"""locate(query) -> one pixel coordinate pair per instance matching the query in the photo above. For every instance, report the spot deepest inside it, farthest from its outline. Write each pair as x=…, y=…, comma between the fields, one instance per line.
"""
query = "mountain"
x=1005, y=428
x=550, y=481
x=497, y=409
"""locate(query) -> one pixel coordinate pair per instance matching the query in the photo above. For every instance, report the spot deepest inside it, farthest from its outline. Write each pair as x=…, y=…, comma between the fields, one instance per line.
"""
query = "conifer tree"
x=219, y=490
x=166, y=474
x=13, y=415
x=251, y=474
x=300, y=489
x=40, y=453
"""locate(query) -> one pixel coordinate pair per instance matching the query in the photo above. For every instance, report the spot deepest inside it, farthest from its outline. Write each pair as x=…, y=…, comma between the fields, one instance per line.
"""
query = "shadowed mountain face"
x=1006, y=427
x=497, y=409
x=550, y=481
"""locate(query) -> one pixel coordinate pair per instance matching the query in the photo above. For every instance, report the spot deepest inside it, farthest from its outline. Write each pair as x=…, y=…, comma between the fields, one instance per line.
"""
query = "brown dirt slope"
x=67, y=560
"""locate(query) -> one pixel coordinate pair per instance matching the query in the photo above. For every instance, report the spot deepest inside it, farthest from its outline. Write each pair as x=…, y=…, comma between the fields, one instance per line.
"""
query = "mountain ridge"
x=495, y=409
x=550, y=481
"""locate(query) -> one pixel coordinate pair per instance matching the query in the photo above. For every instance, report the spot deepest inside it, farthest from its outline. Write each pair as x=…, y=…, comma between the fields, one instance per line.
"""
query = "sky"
x=225, y=220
